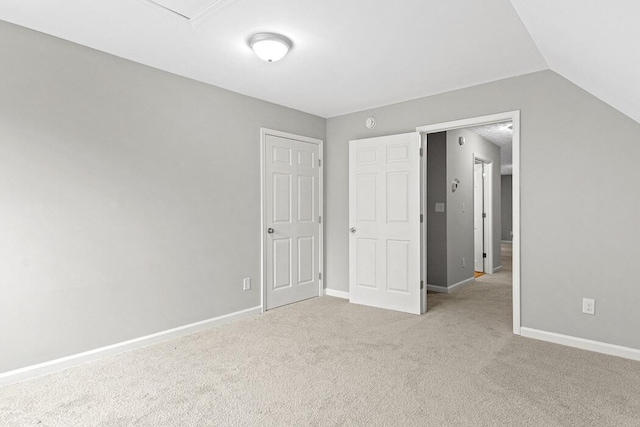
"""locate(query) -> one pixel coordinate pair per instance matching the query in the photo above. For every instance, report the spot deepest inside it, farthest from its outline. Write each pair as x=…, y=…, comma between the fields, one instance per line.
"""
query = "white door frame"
x=487, y=183
x=263, y=228
x=514, y=116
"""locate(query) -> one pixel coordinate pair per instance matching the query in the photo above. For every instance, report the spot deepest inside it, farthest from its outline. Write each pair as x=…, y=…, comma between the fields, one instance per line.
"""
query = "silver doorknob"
x=270, y=230
x=352, y=229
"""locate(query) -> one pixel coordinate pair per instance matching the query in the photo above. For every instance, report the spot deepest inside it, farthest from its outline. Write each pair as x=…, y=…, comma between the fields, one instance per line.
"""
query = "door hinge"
x=320, y=163
x=484, y=215
x=421, y=284
x=484, y=255
x=421, y=152
x=421, y=218
x=320, y=276
x=320, y=219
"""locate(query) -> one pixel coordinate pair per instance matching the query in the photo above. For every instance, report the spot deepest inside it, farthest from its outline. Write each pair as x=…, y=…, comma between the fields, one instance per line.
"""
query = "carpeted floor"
x=327, y=362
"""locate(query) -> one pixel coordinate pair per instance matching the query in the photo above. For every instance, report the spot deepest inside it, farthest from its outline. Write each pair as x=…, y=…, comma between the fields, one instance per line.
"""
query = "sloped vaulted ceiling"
x=350, y=55
x=593, y=43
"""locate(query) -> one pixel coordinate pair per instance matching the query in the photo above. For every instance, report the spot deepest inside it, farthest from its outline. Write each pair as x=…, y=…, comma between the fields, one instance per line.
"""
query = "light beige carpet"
x=328, y=362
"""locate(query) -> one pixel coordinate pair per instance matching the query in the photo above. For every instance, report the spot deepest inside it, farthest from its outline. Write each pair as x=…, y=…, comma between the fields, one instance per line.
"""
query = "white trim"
x=581, y=343
x=461, y=284
x=423, y=223
x=336, y=294
x=263, y=228
x=465, y=123
x=33, y=371
x=514, y=116
x=498, y=268
x=451, y=288
x=205, y=13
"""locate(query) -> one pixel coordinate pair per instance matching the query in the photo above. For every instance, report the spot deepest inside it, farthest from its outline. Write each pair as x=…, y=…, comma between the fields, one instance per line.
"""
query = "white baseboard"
x=584, y=344
x=451, y=288
x=498, y=268
x=506, y=241
x=33, y=371
x=337, y=294
x=461, y=284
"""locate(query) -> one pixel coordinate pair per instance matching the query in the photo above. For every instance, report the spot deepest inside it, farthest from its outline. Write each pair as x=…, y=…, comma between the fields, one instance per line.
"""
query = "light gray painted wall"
x=507, y=208
x=460, y=236
x=129, y=198
x=579, y=206
x=437, y=221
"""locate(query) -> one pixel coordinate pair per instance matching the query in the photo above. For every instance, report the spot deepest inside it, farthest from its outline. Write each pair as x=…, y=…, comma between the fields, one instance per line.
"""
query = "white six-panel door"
x=292, y=220
x=384, y=221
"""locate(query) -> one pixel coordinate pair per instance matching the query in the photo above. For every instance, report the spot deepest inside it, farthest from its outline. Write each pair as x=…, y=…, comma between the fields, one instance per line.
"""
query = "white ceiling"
x=348, y=55
x=501, y=135
x=593, y=43
x=351, y=55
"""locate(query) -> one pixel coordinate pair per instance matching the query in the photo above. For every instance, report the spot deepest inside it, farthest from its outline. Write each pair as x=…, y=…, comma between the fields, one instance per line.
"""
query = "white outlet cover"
x=439, y=207
x=588, y=306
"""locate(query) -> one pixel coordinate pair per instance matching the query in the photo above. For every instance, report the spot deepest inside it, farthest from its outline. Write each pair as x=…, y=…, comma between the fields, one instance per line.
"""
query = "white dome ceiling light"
x=270, y=47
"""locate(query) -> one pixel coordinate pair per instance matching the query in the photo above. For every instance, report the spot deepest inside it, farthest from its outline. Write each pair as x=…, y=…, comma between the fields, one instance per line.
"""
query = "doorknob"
x=270, y=230
x=352, y=229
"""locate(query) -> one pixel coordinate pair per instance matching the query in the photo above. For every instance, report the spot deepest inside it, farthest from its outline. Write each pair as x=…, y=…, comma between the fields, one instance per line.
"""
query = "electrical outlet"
x=588, y=306
x=464, y=262
x=246, y=283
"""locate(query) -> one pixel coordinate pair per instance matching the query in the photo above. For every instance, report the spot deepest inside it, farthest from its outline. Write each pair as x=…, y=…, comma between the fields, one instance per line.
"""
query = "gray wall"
x=460, y=233
x=579, y=205
x=507, y=208
x=129, y=198
x=437, y=221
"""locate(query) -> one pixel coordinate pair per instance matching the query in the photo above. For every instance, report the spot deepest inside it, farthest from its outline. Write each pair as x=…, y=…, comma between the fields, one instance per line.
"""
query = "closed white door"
x=478, y=217
x=384, y=221
x=291, y=220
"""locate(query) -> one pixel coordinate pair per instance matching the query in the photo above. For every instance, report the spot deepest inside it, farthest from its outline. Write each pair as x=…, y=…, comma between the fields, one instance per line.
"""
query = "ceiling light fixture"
x=270, y=47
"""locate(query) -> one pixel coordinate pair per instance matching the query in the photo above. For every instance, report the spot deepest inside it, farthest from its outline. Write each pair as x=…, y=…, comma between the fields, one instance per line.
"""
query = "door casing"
x=263, y=226
x=514, y=116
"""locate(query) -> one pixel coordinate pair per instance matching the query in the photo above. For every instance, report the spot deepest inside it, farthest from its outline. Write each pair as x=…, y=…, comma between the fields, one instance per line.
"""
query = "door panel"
x=281, y=263
x=306, y=195
x=384, y=220
x=292, y=209
x=306, y=255
x=281, y=198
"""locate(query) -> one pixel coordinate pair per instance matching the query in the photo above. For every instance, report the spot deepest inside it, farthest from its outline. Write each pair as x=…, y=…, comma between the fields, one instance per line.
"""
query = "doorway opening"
x=389, y=236
x=508, y=250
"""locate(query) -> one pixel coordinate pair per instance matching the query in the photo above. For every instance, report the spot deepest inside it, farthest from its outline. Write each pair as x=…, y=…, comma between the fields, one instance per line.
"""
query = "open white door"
x=384, y=221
